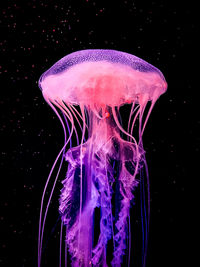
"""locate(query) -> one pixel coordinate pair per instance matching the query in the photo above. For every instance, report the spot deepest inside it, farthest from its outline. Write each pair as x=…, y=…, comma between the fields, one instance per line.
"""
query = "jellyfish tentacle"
x=76, y=232
x=70, y=210
x=96, y=112
x=131, y=136
x=70, y=106
x=148, y=208
x=126, y=185
x=99, y=252
x=81, y=174
x=120, y=237
x=146, y=119
x=142, y=193
x=78, y=113
x=42, y=222
x=135, y=117
x=129, y=239
x=61, y=237
x=62, y=225
x=65, y=111
x=101, y=195
x=144, y=219
x=66, y=200
x=130, y=116
x=110, y=205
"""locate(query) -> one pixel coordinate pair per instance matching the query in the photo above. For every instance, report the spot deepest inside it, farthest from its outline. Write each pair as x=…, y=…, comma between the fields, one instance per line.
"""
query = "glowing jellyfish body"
x=102, y=167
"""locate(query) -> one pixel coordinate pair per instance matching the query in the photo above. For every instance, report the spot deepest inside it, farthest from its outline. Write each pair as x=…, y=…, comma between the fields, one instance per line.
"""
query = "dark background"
x=34, y=35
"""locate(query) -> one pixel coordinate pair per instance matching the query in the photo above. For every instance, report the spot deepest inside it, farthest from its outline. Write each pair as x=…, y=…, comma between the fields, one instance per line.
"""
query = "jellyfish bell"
x=102, y=77
x=100, y=82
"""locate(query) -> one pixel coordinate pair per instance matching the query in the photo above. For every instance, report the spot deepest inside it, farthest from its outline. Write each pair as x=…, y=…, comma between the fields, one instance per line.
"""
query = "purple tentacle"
x=99, y=177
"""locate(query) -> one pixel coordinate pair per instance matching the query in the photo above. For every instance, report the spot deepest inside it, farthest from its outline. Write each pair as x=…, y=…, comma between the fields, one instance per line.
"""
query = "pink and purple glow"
x=102, y=167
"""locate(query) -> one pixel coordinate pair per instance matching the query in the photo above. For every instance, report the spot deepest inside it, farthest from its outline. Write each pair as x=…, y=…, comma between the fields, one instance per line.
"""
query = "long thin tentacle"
x=42, y=223
x=81, y=117
x=66, y=249
x=142, y=196
x=129, y=239
x=81, y=169
x=47, y=182
x=135, y=117
x=130, y=116
x=145, y=218
x=63, y=108
x=145, y=122
x=61, y=229
x=148, y=209
x=131, y=136
x=61, y=236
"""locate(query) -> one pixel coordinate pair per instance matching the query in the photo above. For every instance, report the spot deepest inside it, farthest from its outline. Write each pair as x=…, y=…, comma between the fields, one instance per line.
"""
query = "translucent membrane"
x=103, y=168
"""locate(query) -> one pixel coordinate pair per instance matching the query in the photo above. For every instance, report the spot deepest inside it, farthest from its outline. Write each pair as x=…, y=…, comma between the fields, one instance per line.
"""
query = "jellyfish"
x=106, y=160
